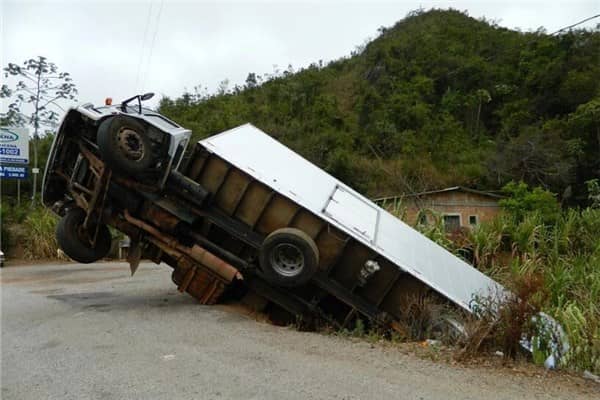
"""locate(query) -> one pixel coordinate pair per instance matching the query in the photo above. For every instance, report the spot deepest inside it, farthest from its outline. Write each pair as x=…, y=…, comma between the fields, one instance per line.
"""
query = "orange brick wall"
x=456, y=202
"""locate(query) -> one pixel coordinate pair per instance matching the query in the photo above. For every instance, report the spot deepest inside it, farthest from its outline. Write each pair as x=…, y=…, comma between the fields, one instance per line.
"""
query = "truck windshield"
x=161, y=121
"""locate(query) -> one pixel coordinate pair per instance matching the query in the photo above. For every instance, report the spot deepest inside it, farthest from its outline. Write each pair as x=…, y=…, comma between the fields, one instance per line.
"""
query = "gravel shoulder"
x=72, y=331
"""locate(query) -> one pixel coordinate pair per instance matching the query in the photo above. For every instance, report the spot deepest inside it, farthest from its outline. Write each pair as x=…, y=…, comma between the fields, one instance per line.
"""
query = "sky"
x=121, y=48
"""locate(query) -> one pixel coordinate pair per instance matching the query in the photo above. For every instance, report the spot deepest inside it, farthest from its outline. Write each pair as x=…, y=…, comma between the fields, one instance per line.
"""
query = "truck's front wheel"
x=124, y=145
x=75, y=241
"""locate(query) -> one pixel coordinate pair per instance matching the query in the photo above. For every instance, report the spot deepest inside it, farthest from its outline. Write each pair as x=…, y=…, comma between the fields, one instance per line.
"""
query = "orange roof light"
x=108, y=101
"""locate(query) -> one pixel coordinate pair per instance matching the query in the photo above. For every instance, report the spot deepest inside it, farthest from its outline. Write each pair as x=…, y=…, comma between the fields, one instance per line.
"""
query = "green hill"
x=438, y=99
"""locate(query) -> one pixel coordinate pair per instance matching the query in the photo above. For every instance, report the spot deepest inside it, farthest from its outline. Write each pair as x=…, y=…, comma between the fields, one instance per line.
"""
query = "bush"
x=593, y=188
x=501, y=321
x=522, y=201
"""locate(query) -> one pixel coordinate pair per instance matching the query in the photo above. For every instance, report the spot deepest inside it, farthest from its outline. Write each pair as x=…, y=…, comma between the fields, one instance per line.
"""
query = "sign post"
x=14, y=155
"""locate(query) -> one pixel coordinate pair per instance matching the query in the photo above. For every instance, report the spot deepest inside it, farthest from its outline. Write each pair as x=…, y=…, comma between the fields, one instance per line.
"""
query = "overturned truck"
x=240, y=212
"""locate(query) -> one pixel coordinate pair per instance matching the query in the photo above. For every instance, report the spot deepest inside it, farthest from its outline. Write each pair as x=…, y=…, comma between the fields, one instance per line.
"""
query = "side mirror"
x=146, y=96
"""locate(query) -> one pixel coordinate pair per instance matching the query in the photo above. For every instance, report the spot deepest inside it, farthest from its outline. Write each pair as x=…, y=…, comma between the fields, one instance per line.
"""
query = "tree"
x=593, y=188
x=251, y=80
x=41, y=87
x=483, y=96
x=522, y=200
x=439, y=99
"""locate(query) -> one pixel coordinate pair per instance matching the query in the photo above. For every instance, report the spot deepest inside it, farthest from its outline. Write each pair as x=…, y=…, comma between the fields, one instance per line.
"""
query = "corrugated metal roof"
x=449, y=189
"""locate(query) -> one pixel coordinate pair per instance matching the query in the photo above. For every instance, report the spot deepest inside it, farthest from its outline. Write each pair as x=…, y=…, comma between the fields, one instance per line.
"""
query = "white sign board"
x=14, y=145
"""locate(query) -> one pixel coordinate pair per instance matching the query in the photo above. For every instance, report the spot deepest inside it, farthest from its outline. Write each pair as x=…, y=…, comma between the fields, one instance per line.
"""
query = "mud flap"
x=134, y=255
x=201, y=285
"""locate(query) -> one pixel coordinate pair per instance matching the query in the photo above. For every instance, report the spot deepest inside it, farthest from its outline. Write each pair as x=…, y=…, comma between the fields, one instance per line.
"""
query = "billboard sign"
x=14, y=145
x=13, y=172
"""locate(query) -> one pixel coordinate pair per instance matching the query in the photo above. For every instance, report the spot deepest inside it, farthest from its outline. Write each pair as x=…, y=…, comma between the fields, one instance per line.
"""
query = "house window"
x=422, y=219
x=452, y=222
x=472, y=220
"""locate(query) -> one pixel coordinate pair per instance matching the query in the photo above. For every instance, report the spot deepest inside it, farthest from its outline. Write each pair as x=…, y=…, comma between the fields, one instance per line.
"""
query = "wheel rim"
x=287, y=259
x=131, y=144
x=84, y=236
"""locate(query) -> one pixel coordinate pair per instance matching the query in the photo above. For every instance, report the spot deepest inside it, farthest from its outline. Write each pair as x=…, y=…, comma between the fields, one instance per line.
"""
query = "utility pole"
x=36, y=125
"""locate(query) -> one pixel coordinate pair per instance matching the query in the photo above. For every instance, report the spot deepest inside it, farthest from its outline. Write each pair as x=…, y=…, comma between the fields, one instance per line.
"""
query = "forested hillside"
x=438, y=99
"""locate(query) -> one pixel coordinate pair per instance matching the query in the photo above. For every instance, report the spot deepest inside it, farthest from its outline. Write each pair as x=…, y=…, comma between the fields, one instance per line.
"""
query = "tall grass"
x=566, y=257
x=554, y=267
x=38, y=239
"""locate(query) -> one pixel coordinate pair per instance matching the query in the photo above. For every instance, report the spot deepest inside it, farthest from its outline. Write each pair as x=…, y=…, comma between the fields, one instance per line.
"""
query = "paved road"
x=91, y=332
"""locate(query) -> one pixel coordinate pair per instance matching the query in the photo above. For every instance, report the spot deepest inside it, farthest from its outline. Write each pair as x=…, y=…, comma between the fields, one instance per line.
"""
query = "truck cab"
x=136, y=141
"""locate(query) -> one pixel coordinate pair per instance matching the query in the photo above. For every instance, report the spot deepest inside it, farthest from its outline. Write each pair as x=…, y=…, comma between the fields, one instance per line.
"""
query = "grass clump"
x=38, y=238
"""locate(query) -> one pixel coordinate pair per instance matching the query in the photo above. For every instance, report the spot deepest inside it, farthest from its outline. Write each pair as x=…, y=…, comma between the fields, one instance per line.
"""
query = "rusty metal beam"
x=321, y=230
x=197, y=253
x=389, y=287
x=223, y=180
x=352, y=300
x=190, y=169
x=242, y=195
x=294, y=216
x=263, y=209
x=338, y=257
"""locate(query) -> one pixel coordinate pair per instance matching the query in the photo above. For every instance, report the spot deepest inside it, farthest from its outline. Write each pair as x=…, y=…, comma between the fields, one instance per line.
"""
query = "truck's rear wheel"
x=75, y=241
x=289, y=257
x=124, y=145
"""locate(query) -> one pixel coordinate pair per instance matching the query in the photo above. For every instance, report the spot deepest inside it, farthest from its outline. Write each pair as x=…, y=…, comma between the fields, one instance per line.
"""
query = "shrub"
x=501, y=321
x=593, y=188
x=522, y=201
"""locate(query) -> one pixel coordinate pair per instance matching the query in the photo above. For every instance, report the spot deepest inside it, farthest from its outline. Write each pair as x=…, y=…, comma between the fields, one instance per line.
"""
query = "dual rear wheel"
x=288, y=257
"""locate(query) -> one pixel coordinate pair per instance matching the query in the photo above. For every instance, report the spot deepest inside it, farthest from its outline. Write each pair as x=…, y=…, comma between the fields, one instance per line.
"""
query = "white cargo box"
x=265, y=159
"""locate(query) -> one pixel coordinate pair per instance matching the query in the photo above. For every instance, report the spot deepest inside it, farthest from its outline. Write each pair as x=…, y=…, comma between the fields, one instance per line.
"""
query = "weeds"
x=564, y=258
x=419, y=316
x=38, y=239
x=551, y=264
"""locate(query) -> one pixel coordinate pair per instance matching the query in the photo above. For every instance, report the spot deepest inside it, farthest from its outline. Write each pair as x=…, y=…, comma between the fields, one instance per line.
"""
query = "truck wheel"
x=75, y=241
x=124, y=145
x=289, y=257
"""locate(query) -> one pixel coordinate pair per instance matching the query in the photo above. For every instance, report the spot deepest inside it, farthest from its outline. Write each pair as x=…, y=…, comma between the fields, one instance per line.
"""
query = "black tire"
x=288, y=257
x=74, y=243
x=124, y=145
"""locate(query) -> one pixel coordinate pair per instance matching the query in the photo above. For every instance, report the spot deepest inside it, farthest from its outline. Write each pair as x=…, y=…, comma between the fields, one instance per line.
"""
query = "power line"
x=156, y=28
x=139, y=67
x=574, y=25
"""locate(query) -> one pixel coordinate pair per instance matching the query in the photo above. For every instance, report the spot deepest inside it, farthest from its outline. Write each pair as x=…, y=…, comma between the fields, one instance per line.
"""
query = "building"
x=458, y=206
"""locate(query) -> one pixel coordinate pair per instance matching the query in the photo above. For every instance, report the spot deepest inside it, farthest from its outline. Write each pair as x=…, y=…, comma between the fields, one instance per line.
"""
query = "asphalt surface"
x=77, y=331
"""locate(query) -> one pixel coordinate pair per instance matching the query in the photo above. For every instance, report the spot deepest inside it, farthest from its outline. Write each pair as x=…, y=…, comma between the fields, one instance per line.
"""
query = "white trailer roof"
x=265, y=159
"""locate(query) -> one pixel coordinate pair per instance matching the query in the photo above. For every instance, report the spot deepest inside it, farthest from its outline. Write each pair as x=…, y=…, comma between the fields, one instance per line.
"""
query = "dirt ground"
x=72, y=331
